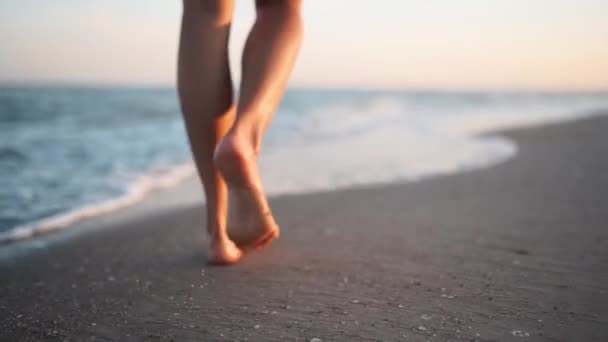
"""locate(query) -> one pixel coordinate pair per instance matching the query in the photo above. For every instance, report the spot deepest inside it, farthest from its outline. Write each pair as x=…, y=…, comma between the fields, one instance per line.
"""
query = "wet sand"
x=516, y=251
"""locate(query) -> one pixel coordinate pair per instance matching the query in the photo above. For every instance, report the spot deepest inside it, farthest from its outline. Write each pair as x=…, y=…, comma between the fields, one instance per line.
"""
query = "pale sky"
x=462, y=44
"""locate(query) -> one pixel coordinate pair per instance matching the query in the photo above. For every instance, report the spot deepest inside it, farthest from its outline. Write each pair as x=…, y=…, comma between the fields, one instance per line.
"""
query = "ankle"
x=216, y=231
x=246, y=136
x=218, y=238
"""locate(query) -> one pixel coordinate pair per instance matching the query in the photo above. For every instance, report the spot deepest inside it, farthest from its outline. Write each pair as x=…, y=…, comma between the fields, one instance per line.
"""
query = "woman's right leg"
x=268, y=58
x=205, y=91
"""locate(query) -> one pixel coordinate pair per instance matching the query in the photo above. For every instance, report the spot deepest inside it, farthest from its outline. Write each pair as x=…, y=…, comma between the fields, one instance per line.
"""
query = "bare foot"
x=250, y=220
x=223, y=252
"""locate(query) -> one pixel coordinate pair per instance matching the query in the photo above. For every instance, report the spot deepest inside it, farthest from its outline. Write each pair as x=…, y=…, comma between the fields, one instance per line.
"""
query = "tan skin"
x=225, y=137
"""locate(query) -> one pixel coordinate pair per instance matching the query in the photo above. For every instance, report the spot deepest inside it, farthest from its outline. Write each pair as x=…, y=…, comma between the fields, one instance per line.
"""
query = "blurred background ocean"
x=68, y=153
x=90, y=122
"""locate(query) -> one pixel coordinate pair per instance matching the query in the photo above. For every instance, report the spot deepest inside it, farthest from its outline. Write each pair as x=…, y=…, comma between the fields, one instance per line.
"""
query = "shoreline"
x=163, y=192
x=512, y=251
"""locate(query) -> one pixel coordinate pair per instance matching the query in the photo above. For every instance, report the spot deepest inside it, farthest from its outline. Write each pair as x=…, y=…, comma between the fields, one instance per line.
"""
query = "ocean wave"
x=137, y=190
x=11, y=153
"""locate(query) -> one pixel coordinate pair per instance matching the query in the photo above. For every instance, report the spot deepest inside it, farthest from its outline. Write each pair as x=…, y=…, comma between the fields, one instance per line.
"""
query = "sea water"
x=71, y=153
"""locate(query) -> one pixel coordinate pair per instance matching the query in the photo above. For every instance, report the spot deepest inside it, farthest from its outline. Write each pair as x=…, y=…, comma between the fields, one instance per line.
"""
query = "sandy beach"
x=518, y=251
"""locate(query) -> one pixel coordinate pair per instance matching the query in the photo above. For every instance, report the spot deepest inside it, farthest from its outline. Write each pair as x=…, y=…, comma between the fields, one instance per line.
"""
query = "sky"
x=437, y=44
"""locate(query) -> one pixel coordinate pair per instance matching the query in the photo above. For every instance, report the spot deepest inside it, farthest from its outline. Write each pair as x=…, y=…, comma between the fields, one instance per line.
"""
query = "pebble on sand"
x=519, y=333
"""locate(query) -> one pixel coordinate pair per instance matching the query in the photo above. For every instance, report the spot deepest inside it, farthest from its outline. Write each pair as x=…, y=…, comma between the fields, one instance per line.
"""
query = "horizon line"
x=302, y=86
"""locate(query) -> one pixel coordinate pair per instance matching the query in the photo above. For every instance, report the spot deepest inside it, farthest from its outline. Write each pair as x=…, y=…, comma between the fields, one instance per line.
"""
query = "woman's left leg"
x=205, y=91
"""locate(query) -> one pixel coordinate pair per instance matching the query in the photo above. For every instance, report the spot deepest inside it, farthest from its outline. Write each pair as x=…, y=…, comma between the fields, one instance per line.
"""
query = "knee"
x=216, y=10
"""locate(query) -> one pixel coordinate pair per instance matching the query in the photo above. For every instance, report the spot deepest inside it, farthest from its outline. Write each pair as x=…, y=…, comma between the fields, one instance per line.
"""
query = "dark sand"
x=515, y=252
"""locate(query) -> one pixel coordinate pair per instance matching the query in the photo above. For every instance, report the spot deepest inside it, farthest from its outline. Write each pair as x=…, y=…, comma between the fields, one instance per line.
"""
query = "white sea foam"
x=386, y=140
x=343, y=145
x=139, y=189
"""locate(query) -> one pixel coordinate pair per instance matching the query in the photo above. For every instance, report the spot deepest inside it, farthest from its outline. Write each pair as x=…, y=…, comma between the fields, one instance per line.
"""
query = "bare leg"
x=268, y=59
x=205, y=90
